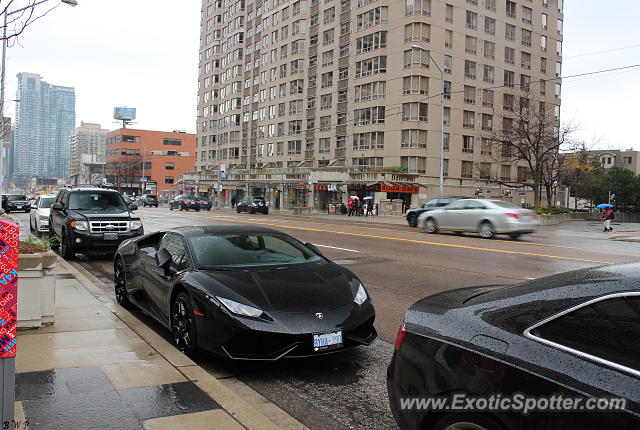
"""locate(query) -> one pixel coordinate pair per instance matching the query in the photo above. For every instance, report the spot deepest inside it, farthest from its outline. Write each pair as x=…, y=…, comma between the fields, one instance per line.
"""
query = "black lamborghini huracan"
x=244, y=292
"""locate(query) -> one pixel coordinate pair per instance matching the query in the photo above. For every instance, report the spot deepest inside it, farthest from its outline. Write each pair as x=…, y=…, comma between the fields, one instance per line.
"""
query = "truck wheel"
x=66, y=249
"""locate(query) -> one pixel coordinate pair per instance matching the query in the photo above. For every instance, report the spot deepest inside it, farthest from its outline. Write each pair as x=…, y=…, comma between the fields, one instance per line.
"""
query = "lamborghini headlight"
x=239, y=308
x=361, y=295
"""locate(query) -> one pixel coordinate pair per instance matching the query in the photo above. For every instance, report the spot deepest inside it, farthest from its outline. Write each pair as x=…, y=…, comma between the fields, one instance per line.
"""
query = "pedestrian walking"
x=607, y=217
x=369, y=209
x=233, y=202
x=350, y=205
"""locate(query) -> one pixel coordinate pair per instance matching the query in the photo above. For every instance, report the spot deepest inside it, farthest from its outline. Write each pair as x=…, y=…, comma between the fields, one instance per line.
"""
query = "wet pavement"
x=85, y=398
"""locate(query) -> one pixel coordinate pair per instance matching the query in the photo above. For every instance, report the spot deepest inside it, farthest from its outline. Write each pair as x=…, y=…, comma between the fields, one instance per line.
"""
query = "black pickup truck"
x=92, y=221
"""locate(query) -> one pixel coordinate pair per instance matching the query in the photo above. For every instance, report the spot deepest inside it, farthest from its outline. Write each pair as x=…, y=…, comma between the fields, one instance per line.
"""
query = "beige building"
x=87, y=152
x=309, y=101
x=629, y=159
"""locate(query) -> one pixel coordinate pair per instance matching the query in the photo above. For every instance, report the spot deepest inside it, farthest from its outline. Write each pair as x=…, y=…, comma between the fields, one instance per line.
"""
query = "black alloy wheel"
x=183, y=325
x=66, y=249
x=33, y=230
x=237, y=210
x=412, y=219
x=120, y=285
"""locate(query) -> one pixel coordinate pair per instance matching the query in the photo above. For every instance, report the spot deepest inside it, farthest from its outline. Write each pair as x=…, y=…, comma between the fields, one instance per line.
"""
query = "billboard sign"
x=124, y=113
x=223, y=170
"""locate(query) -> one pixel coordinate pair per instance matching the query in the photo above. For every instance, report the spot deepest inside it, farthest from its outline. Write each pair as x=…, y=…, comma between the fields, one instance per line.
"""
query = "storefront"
x=325, y=194
x=294, y=195
x=400, y=192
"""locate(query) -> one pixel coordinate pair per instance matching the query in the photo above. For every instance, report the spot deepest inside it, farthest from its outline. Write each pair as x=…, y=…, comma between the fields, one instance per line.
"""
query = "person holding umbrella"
x=369, y=206
x=607, y=217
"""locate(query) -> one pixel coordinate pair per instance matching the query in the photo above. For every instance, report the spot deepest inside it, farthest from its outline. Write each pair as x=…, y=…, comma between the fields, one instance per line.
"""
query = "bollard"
x=8, y=316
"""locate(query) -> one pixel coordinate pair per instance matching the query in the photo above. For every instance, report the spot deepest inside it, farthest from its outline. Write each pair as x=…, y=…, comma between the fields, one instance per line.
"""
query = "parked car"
x=487, y=217
x=217, y=288
x=252, y=205
x=92, y=221
x=184, y=202
x=436, y=202
x=40, y=211
x=150, y=200
x=574, y=334
x=205, y=204
x=15, y=202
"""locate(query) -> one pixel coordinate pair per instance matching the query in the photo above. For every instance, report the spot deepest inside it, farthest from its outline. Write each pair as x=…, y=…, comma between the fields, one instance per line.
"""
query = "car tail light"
x=197, y=201
x=513, y=215
x=400, y=337
x=185, y=201
x=534, y=216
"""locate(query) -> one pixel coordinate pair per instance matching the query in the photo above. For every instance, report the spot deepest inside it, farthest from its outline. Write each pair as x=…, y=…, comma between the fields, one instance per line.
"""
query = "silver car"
x=486, y=217
x=39, y=217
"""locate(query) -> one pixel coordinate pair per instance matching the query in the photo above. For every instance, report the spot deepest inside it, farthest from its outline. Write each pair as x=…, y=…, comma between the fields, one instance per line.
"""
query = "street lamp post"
x=3, y=130
x=441, y=116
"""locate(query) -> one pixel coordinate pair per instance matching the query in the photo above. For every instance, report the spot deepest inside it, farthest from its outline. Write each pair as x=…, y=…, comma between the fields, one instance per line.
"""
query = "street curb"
x=246, y=415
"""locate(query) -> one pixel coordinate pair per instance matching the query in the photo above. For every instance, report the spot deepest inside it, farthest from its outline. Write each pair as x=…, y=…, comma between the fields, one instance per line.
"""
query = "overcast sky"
x=143, y=54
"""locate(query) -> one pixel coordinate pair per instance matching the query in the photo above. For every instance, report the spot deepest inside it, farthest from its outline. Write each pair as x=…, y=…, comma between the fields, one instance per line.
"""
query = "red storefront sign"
x=8, y=287
x=399, y=188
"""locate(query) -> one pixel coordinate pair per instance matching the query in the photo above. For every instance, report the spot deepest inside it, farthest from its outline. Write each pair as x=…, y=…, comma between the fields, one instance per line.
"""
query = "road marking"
x=449, y=245
x=335, y=247
x=275, y=219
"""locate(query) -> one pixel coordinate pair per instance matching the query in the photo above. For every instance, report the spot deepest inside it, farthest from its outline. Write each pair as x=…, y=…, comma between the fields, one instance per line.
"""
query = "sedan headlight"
x=239, y=308
x=361, y=295
x=135, y=224
x=80, y=225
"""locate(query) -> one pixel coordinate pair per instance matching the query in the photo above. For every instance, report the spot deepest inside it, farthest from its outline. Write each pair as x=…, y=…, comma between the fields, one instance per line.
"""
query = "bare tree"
x=22, y=13
x=530, y=138
x=124, y=171
x=90, y=174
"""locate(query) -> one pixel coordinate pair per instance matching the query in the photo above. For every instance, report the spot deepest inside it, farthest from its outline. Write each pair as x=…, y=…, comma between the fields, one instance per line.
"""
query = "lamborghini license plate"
x=324, y=341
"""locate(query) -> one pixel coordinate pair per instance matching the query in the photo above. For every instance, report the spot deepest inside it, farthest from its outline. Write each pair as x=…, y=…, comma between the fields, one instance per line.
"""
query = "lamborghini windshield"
x=213, y=251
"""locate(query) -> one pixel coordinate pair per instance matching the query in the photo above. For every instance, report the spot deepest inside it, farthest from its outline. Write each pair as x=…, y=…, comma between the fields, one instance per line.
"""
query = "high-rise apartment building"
x=308, y=99
x=45, y=118
x=87, y=153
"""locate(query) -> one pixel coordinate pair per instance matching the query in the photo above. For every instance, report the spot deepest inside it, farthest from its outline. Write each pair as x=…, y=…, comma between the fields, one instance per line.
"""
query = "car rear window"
x=258, y=199
x=152, y=197
x=16, y=197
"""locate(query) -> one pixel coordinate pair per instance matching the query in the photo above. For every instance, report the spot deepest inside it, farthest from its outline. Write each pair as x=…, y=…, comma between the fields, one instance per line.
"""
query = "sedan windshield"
x=46, y=202
x=96, y=200
x=237, y=250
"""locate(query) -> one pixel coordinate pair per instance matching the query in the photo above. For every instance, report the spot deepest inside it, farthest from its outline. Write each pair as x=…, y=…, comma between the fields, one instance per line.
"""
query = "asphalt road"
x=399, y=265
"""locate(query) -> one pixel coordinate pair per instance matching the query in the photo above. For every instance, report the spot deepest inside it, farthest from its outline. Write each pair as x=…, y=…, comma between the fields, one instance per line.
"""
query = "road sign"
x=143, y=179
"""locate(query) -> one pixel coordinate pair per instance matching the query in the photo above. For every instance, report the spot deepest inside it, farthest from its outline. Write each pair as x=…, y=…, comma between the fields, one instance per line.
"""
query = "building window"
x=415, y=85
x=417, y=32
x=414, y=164
x=370, y=66
x=466, y=169
x=172, y=142
x=371, y=42
x=468, y=119
x=470, y=69
x=467, y=144
x=169, y=166
x=505, y=172
x=132, y=139
x=485, y=171
x=417, y=7
x=472, y=20
x=414, y=58
x=168, y=180
x=469, y=94
x=370, y=115
x=415, y=111
x=414, y=139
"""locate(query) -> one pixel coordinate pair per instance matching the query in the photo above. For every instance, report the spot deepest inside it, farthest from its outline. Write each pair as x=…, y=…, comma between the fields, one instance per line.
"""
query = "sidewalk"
x=99, y=367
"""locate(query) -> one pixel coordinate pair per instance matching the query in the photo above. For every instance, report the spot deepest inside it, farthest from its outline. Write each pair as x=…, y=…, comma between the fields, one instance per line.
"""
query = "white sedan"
x=486, y=217
x=39, y=220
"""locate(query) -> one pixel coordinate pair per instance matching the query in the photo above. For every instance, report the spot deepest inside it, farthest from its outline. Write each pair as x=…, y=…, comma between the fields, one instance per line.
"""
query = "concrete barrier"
x=554, y=219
